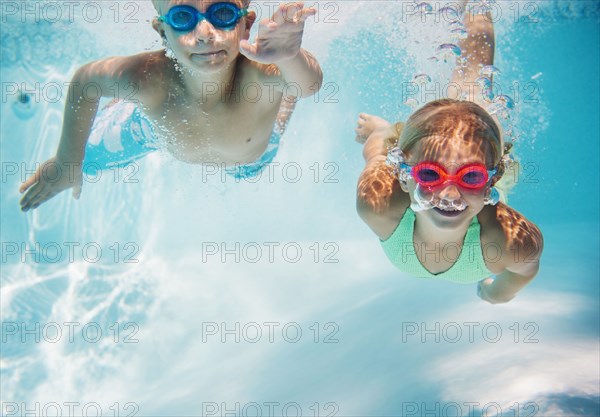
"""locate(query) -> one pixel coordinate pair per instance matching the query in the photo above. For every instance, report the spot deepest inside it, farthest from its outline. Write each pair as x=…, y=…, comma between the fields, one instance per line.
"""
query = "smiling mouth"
x=449, y=212
x=209, y=54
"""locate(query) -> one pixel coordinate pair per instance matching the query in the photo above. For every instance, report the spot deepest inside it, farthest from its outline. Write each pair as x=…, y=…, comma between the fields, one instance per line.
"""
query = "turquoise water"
x=163, y=293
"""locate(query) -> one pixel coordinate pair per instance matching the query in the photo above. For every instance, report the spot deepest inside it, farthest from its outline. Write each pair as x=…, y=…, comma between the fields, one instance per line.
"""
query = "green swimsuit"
x=468, y=268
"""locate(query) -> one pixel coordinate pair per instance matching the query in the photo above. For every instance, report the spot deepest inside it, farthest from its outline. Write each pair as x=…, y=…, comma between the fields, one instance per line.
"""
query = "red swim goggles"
x=432, y=175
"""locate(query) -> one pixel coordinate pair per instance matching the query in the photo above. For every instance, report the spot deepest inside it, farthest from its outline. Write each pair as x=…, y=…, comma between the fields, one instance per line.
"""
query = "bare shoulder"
x=259, y=72
x=128, y=68
x=380, y=201
x=151, y=75
x=519, y=239
x=151, y=69
x=136, y=77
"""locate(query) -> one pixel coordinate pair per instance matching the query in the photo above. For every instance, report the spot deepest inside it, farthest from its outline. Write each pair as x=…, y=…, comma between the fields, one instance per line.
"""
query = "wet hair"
x=468, y=120
x=446, y=118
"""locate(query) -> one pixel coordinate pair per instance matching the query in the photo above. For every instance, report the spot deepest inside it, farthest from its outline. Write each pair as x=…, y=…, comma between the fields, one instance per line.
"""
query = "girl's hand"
x=51, y=178
x=482, y=287
x=280, y=37
x=484, y=291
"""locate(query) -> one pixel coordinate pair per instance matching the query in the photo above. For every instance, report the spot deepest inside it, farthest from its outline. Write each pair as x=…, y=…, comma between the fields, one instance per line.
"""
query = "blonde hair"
x=447, y=117
x=444, y=117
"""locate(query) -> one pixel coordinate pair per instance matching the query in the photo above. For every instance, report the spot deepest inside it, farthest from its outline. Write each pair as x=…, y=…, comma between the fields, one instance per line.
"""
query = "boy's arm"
x=106, y=78
x=304, y=71
x=111, y=77
x=279, y=43
x=477, y=51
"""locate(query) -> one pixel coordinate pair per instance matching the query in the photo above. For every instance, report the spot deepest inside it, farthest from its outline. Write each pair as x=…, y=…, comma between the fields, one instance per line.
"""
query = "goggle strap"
x=395, y=159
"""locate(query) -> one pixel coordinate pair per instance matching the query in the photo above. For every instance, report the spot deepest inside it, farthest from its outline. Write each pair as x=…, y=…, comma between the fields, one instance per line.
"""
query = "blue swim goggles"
x=221, y=15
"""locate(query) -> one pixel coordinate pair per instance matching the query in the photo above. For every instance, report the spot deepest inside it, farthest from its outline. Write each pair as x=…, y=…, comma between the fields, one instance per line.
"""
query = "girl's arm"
x=382, y=136
x=379, y=196
x=477, y=51
x=521, y=257
x=505, y=286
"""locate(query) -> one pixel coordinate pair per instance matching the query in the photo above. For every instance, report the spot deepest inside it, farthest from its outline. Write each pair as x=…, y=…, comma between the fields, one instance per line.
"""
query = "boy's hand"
x=51, y=178
x=278, y=38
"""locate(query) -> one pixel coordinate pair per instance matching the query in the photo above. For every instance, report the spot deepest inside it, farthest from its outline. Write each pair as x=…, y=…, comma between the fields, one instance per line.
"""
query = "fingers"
x=481, y=289
x=360, y=139
x=30, y=196
x=29, y=182
x=77, y=192
x=42, y=192
x=292, y=13
x=360, y=134
x=46, y=183
x=40, y=199
x=30, y=201
x=305, y=14
x=248, y=50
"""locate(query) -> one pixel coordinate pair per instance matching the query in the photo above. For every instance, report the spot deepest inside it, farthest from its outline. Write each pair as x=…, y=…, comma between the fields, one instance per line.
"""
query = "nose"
x=204, y=32
x=450, y=193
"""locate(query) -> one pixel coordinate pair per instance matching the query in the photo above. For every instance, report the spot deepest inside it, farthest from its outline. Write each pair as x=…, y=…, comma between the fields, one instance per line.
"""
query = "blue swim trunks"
x=122, y=134
x=253, y=169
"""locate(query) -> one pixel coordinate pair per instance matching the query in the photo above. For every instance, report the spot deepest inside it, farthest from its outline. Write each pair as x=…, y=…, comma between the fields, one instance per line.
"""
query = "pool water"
x=189, y=294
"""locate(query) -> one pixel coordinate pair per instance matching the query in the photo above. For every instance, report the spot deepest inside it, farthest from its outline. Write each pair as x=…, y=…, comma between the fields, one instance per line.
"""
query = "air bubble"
x=486, y=86
x=448, y=48
x=483, y=82
x=422, y=78
x=461, y=33
x=412, y=103
x=482, y=7
x=449, y=12
x=457, y=25
x=424, y=7
x=507, y=101
x=489, y=70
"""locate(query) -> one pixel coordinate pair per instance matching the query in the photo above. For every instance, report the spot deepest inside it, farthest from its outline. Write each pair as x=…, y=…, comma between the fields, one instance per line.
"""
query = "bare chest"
x=227, y=133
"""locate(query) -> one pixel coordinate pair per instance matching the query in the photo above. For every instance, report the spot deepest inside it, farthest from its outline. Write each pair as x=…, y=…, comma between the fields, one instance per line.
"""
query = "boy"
x=193, y=92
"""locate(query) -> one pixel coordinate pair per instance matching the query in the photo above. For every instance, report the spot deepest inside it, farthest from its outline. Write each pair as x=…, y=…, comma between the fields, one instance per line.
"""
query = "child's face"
x=204, y=48
x=452, y=153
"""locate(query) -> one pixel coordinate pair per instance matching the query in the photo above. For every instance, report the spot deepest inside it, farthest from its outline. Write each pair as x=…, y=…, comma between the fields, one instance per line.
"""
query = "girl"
x=427, y=190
